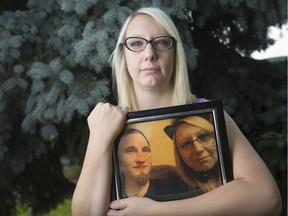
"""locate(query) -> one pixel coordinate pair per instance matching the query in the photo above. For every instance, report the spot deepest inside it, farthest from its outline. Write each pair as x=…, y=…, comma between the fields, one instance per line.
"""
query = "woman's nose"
x=149, y=53
x=198, y=148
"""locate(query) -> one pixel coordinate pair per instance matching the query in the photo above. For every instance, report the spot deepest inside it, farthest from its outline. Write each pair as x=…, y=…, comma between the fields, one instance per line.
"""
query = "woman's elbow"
x=274, y=202
x=277, y=207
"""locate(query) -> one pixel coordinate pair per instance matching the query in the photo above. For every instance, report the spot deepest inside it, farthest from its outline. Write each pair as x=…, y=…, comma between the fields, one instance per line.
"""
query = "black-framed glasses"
x=137, y=44
x=203, y=138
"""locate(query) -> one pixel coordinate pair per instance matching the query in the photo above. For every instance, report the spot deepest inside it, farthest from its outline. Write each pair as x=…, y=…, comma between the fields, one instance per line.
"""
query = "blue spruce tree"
x=54, y=68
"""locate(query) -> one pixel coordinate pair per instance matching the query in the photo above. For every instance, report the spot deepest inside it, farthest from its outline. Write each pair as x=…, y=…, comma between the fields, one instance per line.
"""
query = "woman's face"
x=149, y=69
x=134, y=155
x=196, y=147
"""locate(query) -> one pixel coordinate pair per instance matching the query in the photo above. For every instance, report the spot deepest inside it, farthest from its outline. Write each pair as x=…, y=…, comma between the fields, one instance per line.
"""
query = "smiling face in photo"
x=134, y=155
x=196, y=146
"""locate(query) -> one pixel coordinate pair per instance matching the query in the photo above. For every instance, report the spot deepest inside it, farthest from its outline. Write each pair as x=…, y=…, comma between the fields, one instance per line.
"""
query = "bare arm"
x=252, y=192
x=92, y=193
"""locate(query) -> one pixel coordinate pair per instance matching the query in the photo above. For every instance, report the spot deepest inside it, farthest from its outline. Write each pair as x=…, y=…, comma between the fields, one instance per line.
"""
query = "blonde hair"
x=198, y=122
x=121, y=78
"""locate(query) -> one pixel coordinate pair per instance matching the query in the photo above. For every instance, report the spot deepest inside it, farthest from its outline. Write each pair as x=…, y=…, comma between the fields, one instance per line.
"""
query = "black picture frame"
x=159, y=126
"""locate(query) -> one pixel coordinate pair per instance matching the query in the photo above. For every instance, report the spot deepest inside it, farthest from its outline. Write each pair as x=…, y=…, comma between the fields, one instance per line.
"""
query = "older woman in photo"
x=195, y=152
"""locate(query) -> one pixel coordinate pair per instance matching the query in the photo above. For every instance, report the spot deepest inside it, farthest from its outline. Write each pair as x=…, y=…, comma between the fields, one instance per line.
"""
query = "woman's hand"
x=106, y=121
x=132, y=206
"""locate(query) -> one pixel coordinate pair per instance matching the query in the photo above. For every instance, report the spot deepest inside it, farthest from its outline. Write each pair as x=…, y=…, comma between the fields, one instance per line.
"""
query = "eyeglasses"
x=137, y=44
x=202, y=139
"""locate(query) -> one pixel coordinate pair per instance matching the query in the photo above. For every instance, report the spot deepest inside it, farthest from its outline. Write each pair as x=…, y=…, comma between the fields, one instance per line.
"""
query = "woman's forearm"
x=92, y=193
x=236, y=198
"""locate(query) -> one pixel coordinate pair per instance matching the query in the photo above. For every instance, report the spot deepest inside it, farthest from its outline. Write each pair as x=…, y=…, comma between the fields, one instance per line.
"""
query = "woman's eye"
x=161, y=43
x=136, y=43
x=205, y=137
x=186, y=144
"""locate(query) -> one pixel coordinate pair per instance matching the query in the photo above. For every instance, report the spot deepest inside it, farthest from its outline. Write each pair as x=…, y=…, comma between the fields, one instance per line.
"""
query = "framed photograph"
x=172, y=153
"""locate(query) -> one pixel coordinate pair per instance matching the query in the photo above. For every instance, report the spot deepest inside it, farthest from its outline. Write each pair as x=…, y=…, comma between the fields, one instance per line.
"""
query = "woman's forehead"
x=143, y=24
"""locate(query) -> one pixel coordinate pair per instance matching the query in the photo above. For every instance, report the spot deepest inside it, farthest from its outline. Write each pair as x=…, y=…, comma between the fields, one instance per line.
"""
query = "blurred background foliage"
x=54, y=68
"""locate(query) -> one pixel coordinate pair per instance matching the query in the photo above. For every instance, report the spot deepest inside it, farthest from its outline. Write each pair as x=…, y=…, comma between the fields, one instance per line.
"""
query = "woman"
x=195, y=152
x=135, y=162
x=150, y=72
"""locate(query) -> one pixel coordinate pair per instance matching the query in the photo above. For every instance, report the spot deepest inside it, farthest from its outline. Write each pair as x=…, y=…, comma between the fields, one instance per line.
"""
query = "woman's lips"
x=202, y=158
x=151, y=70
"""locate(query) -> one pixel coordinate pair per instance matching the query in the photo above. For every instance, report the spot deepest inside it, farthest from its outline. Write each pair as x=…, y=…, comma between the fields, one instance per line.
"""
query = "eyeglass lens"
x=138, y=44
x=202, y=138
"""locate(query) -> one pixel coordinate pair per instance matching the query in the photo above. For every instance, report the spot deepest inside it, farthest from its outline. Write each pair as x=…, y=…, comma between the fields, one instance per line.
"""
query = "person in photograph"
x=149, y=70
x=195, y=152
x=135, y=162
